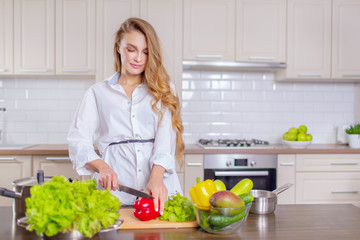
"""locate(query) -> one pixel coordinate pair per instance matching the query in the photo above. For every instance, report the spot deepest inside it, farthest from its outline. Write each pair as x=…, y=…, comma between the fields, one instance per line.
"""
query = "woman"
x=133, y=118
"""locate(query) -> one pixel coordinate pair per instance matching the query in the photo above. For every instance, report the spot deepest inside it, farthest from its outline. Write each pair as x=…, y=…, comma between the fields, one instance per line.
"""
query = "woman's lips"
x=135, y=66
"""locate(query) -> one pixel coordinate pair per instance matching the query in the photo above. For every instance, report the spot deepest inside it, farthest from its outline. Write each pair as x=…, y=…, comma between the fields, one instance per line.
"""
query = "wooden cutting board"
x=131, y=222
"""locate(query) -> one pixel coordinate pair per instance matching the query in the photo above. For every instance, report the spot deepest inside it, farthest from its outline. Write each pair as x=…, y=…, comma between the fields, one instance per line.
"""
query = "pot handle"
x=282, y=188
x=40, y=177
x=8, y=193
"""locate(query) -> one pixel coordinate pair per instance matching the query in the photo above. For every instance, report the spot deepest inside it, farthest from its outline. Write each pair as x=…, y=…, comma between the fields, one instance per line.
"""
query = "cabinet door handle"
x=241, y=173
x=344, y=163
x=287, y=164
x=209, y=56
x=34, y=70
x=351, y=75
x=57, y=159
x=261, y=58
x=7, y=159
x=75, y=70
x=193, y=164
x=344, y=191
x=309, y=75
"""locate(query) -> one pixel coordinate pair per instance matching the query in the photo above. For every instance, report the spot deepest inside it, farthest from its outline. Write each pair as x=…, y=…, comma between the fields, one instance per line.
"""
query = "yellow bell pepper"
x=200, y=193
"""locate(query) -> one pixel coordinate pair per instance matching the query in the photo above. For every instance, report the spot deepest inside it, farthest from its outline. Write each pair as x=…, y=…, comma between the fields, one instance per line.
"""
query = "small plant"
x=353, y=129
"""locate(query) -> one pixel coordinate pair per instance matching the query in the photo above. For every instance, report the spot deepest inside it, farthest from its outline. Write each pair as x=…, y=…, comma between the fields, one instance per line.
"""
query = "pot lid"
x=30, y=181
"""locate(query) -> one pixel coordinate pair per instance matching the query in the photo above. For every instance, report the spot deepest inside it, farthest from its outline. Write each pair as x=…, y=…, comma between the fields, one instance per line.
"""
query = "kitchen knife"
x=134, y=192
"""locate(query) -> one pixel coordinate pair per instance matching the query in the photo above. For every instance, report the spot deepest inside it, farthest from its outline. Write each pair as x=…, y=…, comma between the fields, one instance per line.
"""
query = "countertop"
x=321, y=221
x=61, y=149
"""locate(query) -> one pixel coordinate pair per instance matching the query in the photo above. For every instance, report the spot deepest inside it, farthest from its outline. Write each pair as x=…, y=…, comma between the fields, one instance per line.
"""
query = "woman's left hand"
x=157, y=188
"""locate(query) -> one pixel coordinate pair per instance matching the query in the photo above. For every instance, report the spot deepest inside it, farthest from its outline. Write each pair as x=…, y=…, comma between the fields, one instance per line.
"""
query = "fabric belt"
x=133, y=141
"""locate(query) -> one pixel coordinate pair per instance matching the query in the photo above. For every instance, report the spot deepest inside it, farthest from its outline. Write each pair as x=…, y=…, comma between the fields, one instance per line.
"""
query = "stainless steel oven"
x=231, y=168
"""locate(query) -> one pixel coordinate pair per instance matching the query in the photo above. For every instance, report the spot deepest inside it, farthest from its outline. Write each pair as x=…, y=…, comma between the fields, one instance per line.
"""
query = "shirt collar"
x=113, y=80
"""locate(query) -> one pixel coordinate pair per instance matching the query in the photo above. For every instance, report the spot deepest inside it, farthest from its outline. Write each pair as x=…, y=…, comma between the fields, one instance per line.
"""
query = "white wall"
x=251, y=105
x=215, y=105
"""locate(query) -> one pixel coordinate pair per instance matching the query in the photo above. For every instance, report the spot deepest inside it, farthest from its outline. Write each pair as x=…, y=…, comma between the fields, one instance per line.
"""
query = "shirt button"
x=138, y=150
x=129, y=102
x=139, y=170
x=133, y=116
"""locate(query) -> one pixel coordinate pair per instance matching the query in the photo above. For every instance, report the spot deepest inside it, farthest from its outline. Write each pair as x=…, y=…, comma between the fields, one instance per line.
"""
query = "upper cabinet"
x=346, y=39
x=6, y=37
x=232, y=30
x=34, y=36
x=37, y=22
x=75, y=37
x=322, y=40
x=209, y=29
x=261, y=38
x=309, y=39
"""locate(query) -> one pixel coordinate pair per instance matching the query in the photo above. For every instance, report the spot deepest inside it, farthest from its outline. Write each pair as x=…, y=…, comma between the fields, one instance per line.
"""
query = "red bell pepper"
x=144, y=209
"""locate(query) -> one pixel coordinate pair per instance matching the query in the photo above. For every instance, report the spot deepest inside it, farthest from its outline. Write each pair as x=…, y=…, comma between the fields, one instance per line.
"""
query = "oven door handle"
x=241, y=173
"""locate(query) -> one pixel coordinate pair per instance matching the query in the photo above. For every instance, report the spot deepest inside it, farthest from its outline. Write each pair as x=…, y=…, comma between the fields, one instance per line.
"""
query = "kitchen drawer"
x=11, y=168
x=55, y=166
x=334, y=187
x=327, y=162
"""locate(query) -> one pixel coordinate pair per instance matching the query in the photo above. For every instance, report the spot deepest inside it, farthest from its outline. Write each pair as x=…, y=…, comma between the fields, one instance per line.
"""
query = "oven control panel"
x=216, y=161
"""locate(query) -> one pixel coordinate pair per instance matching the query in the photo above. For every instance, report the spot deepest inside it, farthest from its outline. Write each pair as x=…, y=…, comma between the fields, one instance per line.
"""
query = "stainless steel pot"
x=265, y=201
x=22, y=191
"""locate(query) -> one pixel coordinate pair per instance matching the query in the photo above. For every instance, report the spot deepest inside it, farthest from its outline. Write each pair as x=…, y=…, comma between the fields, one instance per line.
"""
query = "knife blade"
x=135, y=192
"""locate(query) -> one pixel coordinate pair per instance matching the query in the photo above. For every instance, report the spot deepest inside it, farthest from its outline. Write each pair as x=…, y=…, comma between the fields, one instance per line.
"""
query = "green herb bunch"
x=178, y=209
x=353, y=129
x=59, y=206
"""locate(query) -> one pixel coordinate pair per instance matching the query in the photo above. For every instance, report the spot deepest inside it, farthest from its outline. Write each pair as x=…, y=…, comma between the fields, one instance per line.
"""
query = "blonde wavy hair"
x=156, y=77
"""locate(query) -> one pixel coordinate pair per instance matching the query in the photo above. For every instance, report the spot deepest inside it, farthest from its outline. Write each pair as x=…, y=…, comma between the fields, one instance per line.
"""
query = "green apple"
x=285, y=137
x=291, y=136
x=302, y=128
x=308, y=137
x=301, y=137
x=293, y=130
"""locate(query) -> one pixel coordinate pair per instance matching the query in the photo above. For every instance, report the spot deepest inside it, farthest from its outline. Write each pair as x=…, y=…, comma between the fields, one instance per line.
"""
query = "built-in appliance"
x=233, y=143
x=231, y=168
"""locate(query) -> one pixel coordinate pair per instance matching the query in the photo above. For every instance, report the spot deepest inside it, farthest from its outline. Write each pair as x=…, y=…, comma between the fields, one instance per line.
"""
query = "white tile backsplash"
x=39, y=110
x=216, y=104
x=252, y=105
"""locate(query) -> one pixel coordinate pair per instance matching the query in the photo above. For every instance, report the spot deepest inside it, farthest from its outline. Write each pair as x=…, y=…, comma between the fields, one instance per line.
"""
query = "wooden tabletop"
x=322, y=221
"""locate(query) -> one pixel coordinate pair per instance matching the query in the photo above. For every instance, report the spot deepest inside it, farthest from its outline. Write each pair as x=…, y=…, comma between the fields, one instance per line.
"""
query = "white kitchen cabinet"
x=261, y=38
x=166, y=17
x=180, y=173
x=209, y=30
x=6, y=37
x=75, y=37
x=346, y=39
x=34, y=37
x=55, y=166
x=110, y=15
x=13, y=167
x=308, y=39
x=286, y=174
x=328, y=178
x=194, y=168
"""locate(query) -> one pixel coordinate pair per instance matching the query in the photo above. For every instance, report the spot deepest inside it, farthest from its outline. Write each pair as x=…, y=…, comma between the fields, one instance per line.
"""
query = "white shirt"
x=107, y=115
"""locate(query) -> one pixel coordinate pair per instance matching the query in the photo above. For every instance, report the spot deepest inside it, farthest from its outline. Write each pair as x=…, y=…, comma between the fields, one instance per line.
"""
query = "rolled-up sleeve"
x=165, y=145
x=81, y=134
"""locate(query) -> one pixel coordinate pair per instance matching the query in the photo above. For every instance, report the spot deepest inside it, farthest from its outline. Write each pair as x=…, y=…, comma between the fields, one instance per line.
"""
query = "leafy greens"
x=59, y=206
x=178, y=209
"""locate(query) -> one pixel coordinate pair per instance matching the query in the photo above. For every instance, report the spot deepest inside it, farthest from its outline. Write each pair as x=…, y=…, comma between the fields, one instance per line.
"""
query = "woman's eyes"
x=133, y=50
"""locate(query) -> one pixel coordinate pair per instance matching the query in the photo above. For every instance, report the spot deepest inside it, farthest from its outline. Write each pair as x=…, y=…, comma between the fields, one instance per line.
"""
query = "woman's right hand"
x=107, y=177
